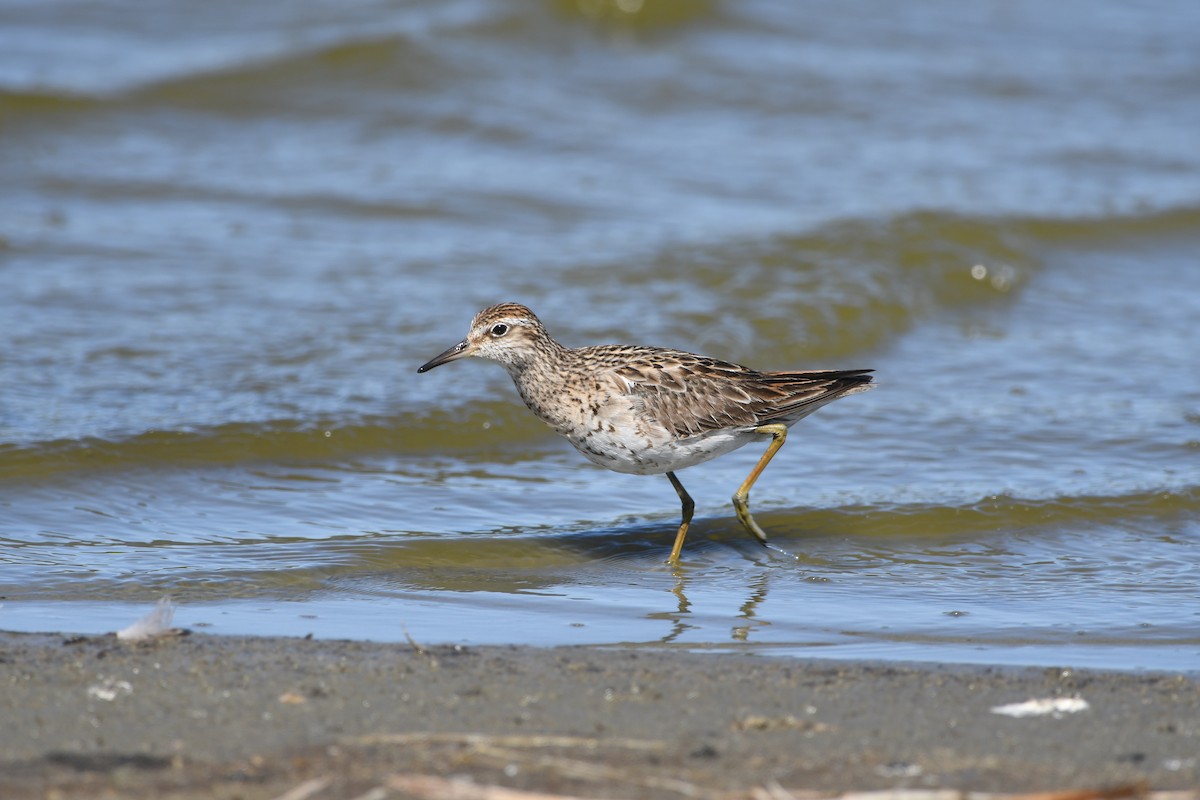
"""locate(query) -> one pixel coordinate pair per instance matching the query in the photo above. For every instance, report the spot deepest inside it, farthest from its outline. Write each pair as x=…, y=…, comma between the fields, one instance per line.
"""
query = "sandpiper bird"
x=650, y=410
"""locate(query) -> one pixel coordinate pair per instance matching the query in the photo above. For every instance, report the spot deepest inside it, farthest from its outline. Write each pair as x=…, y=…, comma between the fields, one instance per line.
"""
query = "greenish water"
x=230, y=234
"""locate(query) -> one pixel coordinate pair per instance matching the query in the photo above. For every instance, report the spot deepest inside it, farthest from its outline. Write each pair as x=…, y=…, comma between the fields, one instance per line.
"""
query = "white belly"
x=642, y=455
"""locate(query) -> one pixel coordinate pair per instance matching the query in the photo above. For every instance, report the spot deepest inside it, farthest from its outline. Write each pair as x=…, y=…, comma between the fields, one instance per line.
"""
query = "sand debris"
x=307, y=789
x=504, y=740
x=434, y=787
x=155, y=625
x=755, y=722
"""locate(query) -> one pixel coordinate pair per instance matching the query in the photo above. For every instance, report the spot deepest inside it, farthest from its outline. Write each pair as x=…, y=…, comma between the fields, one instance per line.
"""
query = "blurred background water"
x=230, y=232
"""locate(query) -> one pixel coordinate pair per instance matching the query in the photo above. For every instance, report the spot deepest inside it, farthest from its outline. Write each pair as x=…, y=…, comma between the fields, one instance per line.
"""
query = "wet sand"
x=205, y=716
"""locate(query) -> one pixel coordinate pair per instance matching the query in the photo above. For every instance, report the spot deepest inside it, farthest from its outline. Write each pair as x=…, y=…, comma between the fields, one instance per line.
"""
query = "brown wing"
x=689, y=394
x=807, y=391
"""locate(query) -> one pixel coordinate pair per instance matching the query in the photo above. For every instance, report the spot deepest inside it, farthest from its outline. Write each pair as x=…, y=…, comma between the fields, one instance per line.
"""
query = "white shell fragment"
x=110, y=689
x=1056, y=707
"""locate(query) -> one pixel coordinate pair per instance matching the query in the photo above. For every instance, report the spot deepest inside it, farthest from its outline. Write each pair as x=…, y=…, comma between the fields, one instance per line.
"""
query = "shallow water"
x=231, y=234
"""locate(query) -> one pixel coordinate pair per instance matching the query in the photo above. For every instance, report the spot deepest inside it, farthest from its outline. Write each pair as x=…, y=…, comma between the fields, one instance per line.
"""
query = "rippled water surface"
x=230, y=233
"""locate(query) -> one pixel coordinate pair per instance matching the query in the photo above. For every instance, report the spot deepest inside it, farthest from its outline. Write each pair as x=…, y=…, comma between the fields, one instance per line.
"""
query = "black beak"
x=458, y=351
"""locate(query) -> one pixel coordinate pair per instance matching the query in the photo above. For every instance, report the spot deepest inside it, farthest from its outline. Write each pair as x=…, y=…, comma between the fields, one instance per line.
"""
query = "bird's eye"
x=499, y=329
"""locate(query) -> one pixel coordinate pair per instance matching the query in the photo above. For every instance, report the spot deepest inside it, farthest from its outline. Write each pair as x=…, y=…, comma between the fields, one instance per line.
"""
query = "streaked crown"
x=509, y=333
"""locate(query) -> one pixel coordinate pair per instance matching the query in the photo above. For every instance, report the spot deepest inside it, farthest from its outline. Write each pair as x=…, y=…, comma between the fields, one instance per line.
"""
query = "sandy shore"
x=203, y=716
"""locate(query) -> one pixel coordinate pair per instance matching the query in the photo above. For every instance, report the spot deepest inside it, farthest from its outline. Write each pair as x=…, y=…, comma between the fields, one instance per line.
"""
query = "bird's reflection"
x=677, y=617
x=682, y=608
x=758, y=593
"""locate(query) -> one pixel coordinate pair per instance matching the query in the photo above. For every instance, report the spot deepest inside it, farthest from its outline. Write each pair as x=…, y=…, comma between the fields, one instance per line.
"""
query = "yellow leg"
x=741, y=498
x=688, y=507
